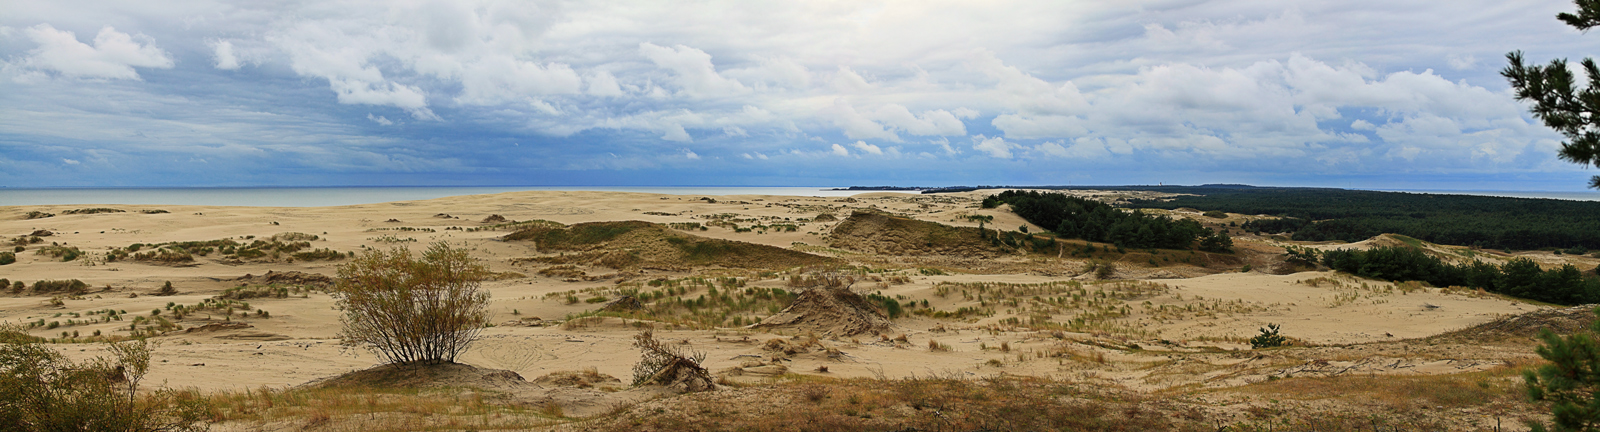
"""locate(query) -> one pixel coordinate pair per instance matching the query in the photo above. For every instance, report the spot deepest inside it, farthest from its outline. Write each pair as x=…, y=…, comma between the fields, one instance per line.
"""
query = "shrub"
x=1569, y=382
x=43, y=391
x=63, y=252
x=49, y=286
x=7, y=258
x=1268, y=338
x=408, y=310
x=1216, y=214
x=669, y=365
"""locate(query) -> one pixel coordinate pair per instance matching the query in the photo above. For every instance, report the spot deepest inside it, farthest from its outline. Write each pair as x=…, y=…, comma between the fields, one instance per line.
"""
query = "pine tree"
x=1570, y=382
x=1557, y=99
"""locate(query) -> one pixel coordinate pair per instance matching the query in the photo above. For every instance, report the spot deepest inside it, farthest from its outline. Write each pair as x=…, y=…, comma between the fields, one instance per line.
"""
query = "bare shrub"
x=409, y=310
x=669, y=365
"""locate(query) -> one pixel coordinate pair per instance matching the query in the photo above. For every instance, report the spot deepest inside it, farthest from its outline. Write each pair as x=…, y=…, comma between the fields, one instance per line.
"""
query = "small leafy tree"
x=1570, y=382
x=407, y=310
x=1268, y=338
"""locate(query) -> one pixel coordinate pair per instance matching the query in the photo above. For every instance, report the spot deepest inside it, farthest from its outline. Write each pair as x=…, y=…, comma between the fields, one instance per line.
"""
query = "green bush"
x=51, y=286
x=40, y=390
x=409, y=310
x=1268, y=338
x=7, y=258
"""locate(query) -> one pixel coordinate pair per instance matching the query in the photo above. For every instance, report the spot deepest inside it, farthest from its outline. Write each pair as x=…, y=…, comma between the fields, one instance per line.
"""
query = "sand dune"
x=1029, y=314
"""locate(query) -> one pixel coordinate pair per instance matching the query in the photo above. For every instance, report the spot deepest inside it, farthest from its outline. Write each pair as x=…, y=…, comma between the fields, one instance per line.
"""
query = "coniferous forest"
x=1320, y=214
x=1073, y=217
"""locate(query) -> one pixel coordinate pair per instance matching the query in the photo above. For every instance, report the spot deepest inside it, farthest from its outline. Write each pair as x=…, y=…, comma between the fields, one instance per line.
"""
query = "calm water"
x=336, y=196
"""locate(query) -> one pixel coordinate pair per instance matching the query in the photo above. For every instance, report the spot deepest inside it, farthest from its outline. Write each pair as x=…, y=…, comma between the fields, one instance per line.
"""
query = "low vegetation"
x=283, y=246
x=1518, y=277
x=1073, y=217
x=40, y=390
x=631, y=245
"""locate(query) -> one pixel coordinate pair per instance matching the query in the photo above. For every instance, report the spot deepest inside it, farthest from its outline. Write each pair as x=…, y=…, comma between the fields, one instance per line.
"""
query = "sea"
x=337, y=196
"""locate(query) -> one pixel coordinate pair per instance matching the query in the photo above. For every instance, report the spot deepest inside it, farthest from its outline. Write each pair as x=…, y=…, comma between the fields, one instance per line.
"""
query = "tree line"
x=1073, y=217
x=1519, y=277
x=1321, y=214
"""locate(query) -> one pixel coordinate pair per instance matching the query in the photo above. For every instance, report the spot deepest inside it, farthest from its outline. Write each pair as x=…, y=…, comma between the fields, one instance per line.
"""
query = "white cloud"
x=114, y=54
x=847, y=81
x=70, y=161
x=1053, y=149
x=496, y=79
x=934, y=122
x=995, y=147
x=1029, y=95
x=602, y=83
x=868, y=148
x=352, y=91
x=1218, y=86
x=839, y=150
x=690, y=154
x=379, y=120
x=692, y=69
x=854, y=124
x=222, y=51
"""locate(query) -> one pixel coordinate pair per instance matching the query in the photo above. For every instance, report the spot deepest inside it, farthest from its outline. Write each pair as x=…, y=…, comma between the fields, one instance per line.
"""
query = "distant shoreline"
x=322, y=196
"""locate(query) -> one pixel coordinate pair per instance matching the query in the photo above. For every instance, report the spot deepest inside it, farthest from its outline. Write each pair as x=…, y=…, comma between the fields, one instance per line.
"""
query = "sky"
x=1358, y=94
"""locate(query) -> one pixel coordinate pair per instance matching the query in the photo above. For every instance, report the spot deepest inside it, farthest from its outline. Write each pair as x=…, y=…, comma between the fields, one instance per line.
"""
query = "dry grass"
x=375, y=409
x=1500, y=386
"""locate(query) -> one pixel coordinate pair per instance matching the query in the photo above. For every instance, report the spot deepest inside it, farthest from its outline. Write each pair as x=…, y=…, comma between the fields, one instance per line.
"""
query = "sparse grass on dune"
x=1497, y=387
x=1030, y=403
x=378, y=409
x=632, y=245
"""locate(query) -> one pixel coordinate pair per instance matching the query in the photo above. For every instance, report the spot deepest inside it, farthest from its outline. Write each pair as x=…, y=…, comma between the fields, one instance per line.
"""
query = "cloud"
x=854, y=124
x=351, y=91
x=1459, y=62
x=602, y=83
x=692, y=70
x=1244, y=89
x=222, y=50
x=933, y=122
x=497, y=79
x=847, y=81
x=867, y=148
x=113, y=56
x=995, y=147
x=690, y=154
